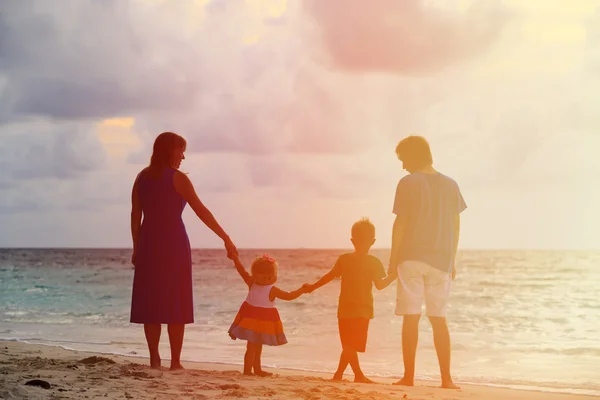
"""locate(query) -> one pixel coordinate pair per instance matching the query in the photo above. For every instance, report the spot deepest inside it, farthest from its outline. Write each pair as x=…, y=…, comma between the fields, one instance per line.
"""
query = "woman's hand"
x=232, y=251
x=133, y=257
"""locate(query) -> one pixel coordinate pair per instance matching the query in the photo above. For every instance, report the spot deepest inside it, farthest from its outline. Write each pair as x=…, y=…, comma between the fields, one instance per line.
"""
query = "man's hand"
x=392, y=270
x=453, y=271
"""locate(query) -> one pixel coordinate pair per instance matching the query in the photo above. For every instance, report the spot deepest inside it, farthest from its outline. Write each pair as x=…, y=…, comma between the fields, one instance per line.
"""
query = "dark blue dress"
x=162, y=282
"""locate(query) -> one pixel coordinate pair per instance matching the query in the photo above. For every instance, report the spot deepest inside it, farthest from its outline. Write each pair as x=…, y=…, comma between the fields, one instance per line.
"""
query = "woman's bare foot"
x=337, y=378
x=155, y=363
x=362, y=379
x=248, y=373
x=262, y=373
x=176, y=367
x=405, y=382
x=449, y=384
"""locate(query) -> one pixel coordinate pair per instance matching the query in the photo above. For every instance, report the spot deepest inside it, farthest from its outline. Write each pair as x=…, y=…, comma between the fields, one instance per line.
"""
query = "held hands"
x=307, y=288
x=232, y=252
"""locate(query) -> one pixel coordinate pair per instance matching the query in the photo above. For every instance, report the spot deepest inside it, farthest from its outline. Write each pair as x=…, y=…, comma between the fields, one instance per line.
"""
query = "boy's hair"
x=264, y=267
x=415, y=150
x=363, y=229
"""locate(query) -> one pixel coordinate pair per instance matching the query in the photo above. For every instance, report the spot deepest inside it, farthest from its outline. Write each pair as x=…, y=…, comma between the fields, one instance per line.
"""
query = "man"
x=424, y=242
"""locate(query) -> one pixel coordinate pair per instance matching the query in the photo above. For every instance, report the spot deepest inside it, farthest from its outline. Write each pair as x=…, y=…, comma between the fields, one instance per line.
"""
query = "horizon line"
x=290, y=248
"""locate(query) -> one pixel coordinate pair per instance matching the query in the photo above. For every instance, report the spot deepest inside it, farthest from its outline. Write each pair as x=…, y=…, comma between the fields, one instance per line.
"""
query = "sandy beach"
x=81, y=375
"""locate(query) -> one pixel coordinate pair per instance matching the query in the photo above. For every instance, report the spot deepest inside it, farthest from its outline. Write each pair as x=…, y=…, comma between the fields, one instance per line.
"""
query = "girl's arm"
x=277, y=293
x=382, y=283
x=242, y=271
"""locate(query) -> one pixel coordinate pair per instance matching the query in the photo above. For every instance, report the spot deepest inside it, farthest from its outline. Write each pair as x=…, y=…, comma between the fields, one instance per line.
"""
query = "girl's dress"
x=258, y=320
x=162, y=282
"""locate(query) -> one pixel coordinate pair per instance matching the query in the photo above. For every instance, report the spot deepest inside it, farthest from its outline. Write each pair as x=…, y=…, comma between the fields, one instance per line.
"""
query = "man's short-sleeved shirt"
x=358, y=273
x=429, y=203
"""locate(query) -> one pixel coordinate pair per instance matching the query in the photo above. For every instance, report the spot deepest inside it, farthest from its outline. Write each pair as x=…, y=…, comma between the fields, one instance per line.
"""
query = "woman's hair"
x=162, y=153
x=415, y=151
x=264, y=270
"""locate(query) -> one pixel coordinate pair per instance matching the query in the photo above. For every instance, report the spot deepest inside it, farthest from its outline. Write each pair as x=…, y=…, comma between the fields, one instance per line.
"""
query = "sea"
x=521, y=319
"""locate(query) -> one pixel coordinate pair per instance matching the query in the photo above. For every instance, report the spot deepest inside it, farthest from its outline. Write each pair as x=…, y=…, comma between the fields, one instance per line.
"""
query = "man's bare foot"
x=405, y=382
x=176, y=367
x=448, y=384
x=362, y=379
x=262, y=373
x=337, y=378
x=248, y=373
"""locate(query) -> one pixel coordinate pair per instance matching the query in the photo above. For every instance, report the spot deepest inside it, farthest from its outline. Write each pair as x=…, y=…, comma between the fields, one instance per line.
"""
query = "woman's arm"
x=136, y=218
x=185, y=188
x=242, y=271
x=277, y=293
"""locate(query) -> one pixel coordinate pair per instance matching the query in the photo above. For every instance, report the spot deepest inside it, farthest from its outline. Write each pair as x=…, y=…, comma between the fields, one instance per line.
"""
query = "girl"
x=258, y=320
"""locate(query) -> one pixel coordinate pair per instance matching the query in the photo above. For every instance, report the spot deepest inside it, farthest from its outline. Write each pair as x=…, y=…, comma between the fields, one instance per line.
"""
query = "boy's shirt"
x=357, y=273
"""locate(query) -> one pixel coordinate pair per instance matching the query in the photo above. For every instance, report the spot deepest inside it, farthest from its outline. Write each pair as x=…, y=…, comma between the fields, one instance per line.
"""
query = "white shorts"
x=417, y=280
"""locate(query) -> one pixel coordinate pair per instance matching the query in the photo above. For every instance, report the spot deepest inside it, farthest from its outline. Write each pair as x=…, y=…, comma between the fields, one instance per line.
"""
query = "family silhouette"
x=425, y=238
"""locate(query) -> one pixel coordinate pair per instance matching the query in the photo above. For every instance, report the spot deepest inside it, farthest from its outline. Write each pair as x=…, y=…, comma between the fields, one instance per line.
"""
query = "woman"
x=162, y=283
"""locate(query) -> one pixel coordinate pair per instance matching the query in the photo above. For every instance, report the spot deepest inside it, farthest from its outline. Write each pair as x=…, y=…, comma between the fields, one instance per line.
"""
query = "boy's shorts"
x=418, y=281
x=353, y=333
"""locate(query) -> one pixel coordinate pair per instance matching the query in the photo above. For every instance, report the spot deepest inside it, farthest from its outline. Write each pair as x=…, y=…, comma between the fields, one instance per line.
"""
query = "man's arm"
x=398, y=232
x=455, y=248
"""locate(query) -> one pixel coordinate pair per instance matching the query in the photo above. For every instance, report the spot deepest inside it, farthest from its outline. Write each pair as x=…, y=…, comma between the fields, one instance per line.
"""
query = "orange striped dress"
x=258, y=320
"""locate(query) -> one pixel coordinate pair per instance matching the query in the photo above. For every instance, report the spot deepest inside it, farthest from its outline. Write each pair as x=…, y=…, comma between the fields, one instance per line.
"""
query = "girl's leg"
x=152, y=332
x=249, y=358
x=339, y=374
x=176, y=332
x=257, y=362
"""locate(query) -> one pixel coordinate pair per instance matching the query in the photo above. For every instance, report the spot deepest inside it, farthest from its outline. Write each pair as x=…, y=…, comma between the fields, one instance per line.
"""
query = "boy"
x=359, y=271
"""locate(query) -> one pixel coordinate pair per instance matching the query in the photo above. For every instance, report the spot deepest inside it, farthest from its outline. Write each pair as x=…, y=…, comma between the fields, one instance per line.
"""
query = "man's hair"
x=363, y=229
x=415, y=151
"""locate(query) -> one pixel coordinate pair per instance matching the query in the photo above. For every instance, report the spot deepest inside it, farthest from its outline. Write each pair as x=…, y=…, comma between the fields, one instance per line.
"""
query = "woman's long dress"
x=162, y=283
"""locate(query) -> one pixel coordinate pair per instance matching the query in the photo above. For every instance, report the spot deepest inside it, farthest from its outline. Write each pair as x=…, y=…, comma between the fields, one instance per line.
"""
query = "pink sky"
x=292, y=111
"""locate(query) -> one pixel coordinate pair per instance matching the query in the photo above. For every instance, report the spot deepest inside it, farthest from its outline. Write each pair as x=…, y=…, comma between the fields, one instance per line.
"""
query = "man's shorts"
x=418, y=281
x=353, y=333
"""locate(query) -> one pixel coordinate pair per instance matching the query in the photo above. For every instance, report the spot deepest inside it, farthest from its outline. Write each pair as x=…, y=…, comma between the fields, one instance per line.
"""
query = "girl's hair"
x=264, y=270
x=162, y=153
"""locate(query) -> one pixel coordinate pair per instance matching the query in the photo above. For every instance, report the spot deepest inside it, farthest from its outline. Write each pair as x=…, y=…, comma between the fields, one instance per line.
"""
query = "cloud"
x=90, y=60
x=38, y=150
x=403, y=37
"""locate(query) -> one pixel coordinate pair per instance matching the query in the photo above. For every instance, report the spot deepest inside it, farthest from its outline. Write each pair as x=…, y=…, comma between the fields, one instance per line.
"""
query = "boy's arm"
x=277, y=293
x=242, y=271
x=382, y=283
x=325, y=279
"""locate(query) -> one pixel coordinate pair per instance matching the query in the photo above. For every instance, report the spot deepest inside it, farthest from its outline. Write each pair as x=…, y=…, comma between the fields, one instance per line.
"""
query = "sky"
x=292, y=111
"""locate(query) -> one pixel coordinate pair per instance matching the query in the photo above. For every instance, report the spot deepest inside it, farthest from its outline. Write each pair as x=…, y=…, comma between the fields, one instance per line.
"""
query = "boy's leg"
x=152, y=332
x=344, y=361
x=258, y=363
x=359, y=376
x=176, y=332
x=410, y=339
x=249, y=358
